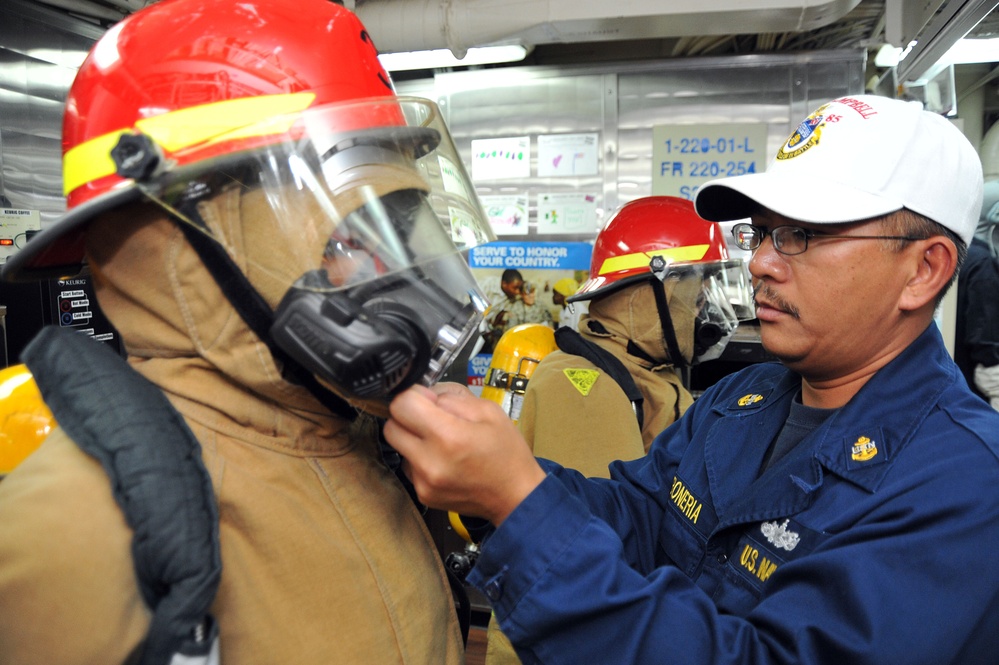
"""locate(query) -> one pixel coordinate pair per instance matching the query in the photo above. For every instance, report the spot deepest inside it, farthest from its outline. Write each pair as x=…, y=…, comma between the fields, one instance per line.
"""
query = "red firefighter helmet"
x=661, y=239
x=192, y=76
x=664, y=226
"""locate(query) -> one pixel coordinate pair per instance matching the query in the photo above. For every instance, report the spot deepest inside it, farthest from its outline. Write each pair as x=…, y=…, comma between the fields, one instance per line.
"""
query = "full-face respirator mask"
x=368, y=322
x=354, y=238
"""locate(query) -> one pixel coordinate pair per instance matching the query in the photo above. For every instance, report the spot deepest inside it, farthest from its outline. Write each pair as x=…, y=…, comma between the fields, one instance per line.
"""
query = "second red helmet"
x=664, y=226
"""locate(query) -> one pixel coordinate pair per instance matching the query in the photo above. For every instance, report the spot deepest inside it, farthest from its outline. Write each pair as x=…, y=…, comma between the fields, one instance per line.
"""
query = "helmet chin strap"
x=658, y=268
x=666, y=320
x=254, y=310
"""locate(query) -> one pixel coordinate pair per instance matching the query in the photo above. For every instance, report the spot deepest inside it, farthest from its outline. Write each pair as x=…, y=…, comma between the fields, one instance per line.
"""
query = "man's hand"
x=461, y=453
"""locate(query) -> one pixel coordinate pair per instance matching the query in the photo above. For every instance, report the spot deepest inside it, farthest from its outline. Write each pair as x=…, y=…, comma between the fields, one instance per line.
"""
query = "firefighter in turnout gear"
x=266, y=230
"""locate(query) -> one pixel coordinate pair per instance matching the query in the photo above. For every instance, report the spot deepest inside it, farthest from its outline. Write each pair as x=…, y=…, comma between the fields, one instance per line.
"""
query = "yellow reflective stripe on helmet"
x=226, y=120
x=233, y=118
x=641, y=259
x=88, y=161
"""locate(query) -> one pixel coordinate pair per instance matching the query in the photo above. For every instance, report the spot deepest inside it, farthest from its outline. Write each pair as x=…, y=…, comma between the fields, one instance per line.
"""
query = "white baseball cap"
x=856, y=158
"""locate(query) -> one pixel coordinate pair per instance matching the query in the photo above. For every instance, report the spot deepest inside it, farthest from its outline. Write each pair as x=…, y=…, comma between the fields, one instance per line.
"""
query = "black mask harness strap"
x=254, y=311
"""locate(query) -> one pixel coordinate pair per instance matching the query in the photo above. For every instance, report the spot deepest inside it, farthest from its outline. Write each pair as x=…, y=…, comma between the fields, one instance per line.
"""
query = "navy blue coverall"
x=874, y=541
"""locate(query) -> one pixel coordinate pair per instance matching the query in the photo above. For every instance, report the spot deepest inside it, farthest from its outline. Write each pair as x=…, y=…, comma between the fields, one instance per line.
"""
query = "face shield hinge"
x=136, y=156
x=658, y=267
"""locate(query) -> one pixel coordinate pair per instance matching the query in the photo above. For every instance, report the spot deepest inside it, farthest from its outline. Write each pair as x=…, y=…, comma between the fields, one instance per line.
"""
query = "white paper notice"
x=567, y=154
x=567, y=212
x=499, y=159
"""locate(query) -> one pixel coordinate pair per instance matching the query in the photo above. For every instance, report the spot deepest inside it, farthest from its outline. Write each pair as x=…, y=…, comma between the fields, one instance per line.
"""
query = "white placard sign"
x=684, y=157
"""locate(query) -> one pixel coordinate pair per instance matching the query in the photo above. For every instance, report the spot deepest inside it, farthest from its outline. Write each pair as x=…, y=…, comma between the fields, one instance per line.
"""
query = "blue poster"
x=532, y=255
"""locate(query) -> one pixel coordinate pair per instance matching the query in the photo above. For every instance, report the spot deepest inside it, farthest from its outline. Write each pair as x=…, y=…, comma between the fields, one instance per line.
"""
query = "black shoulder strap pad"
x=571, y=341
x=157, y=476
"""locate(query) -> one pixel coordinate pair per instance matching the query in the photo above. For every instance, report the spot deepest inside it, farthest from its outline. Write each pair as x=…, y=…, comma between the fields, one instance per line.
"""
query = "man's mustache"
x=764, y=295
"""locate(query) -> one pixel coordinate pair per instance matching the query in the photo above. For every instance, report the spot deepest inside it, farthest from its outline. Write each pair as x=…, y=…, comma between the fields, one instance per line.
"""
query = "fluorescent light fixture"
x=945, y=29
x=67, y=57
x=967, y=51
x=964, y=52
x=439, y=58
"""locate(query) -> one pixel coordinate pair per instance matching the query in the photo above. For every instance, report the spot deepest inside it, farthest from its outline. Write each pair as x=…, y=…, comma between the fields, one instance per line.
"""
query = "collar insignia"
x=778, y=535
x=863, y=450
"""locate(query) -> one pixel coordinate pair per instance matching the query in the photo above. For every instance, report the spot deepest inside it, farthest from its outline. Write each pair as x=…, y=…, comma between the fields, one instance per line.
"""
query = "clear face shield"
x=354, y=237
x=724, y=298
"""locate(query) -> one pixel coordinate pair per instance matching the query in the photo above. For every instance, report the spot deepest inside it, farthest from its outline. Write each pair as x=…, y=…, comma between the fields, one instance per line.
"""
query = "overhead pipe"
x=415, y=25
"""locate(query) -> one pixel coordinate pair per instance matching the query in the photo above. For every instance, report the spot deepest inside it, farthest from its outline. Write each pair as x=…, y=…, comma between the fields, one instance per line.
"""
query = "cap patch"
x=808, y=134
x=582, y=379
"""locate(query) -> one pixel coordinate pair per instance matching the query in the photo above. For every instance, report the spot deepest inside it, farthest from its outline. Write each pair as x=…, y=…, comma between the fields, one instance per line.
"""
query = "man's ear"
x=934, y=262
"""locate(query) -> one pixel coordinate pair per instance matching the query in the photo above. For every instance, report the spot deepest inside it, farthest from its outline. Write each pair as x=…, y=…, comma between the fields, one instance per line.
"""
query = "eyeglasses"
x=791, y=240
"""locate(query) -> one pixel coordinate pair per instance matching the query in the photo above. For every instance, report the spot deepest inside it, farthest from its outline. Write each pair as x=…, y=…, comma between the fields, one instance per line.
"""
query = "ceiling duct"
x=414, y=25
